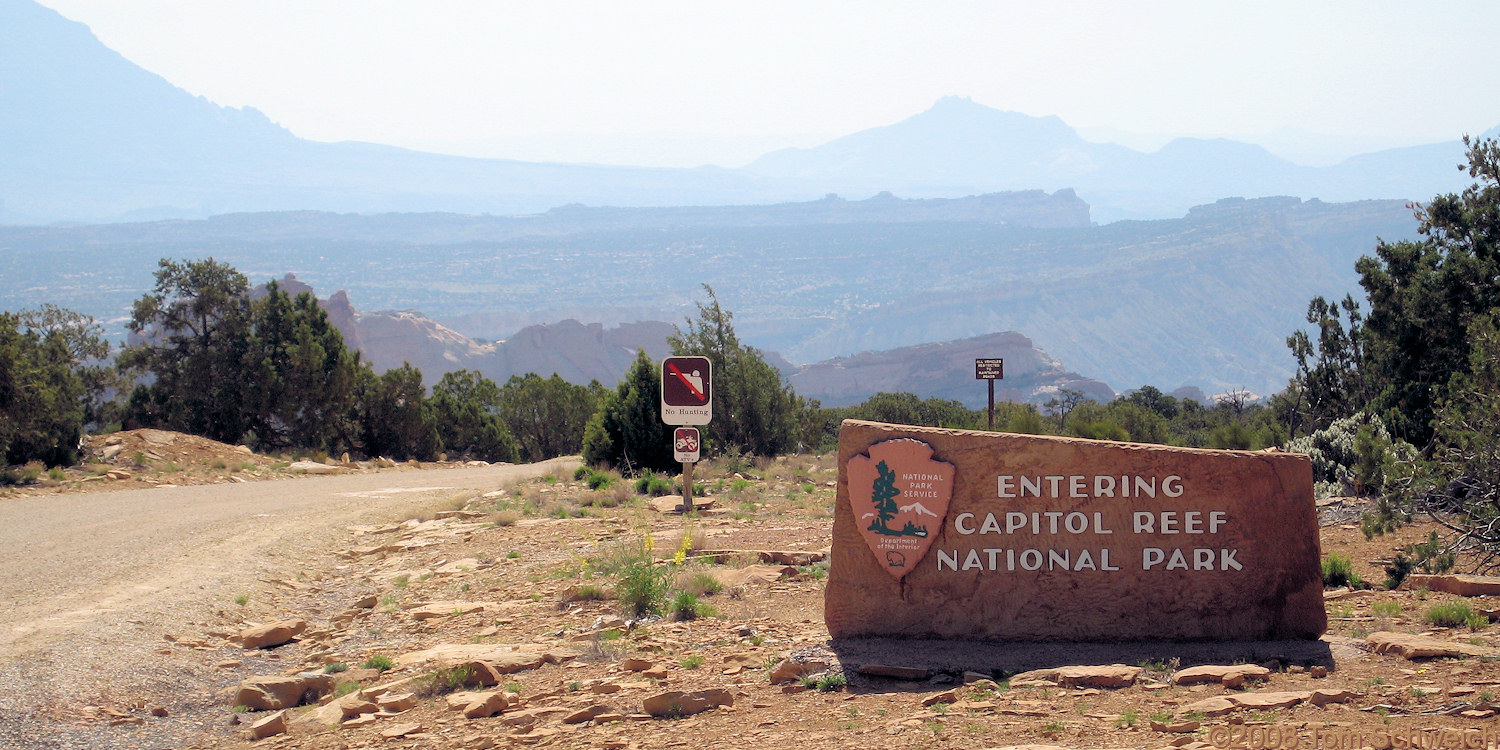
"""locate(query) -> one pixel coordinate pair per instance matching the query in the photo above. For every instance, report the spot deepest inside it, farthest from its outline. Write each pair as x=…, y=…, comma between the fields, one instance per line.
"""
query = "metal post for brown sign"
x=990, y=370
x=992, y=405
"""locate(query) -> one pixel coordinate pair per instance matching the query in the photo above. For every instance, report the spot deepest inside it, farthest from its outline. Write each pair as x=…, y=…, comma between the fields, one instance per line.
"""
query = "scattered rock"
x=488, y=704
x=791, y=671
x=1268, y=700
x=313, y=467
x=506, y=659
x=1462, y=585
x=1178, y=727
x=354, y=705
x=272, y=635
x=1098, y=676
x=368, y=602
x=753, y=574
x=588, y=713
x=1325, y=696
x=792, y=557
x=678, y=704
x=401, y=730
x=947, y=696
x=1215, y=706
x=397, y=703
x=274, y=693
x=431, y=610
x=269, y=726
x=460, y=701
x=1224, y=674
x=673, y=504
x=1411, y=646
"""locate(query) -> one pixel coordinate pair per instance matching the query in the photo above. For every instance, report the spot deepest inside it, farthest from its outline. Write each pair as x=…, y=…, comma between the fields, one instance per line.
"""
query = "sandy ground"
x=119, y=605
x=93, y=579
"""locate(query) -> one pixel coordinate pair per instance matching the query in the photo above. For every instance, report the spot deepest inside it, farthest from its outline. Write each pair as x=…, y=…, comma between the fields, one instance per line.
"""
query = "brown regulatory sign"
x=989, y=369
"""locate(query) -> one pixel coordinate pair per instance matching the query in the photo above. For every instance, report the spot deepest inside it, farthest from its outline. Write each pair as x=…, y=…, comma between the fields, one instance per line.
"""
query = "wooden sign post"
x=685, y=444
x=686, y=399
x=990, y=370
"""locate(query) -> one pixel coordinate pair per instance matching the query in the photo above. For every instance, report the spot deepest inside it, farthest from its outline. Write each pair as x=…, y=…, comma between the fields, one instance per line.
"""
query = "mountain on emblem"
x=900, y=496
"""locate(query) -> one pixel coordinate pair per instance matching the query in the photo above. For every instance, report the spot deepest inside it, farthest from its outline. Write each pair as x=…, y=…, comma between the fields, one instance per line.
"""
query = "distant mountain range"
x=581, y=352
x=86, y=135
x=1207, y=299
x=1005, y=222
x=958, y=146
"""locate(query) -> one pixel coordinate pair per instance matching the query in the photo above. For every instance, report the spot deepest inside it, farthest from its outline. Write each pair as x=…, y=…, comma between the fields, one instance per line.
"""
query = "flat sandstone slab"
x=992, y=536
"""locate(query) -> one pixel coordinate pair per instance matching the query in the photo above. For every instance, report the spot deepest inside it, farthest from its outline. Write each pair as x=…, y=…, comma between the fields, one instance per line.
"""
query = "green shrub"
x=700, y=583
x=641, y=585
x=686, y=606
x=335, y=668
x=1427, y=556
x=831, y=682
x=1351, y=456
x=450, y=680
x=1338, y=570
x=1449, y=614
x=581, y=473
x=379, y=662
x=655, y=485
x=590, y=593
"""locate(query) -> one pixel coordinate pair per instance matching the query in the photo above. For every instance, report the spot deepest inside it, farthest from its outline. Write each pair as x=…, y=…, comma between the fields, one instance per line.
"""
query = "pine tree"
x=466, y=408
x=394, y=417
x=304, y=377
x=754, y=411
x=196, y=326
x=41, y=404
x=548, y=416
x=884, y=495
x=627, y=432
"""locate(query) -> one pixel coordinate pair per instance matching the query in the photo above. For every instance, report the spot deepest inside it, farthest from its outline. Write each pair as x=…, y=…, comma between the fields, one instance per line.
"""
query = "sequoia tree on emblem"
x=899, y=496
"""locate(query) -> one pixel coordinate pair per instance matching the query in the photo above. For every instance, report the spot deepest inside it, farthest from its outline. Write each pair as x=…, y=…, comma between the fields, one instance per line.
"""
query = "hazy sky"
x=471, y=75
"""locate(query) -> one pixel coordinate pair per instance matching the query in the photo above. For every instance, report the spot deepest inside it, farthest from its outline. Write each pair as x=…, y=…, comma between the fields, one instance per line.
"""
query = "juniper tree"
x=754, y=411
x=627, y=432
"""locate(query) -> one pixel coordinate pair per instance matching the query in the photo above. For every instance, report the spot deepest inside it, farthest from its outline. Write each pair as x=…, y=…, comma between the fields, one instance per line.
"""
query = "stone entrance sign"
x=991, y=536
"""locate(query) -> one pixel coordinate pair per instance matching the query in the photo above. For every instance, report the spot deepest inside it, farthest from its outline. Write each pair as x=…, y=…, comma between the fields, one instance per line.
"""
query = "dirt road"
x=88, y=577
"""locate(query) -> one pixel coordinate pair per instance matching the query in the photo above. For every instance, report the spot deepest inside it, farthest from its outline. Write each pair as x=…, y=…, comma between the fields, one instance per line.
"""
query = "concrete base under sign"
x=957, y=657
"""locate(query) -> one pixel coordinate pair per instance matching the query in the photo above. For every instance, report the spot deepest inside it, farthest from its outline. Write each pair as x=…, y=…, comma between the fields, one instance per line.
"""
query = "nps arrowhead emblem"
x=899, y=495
